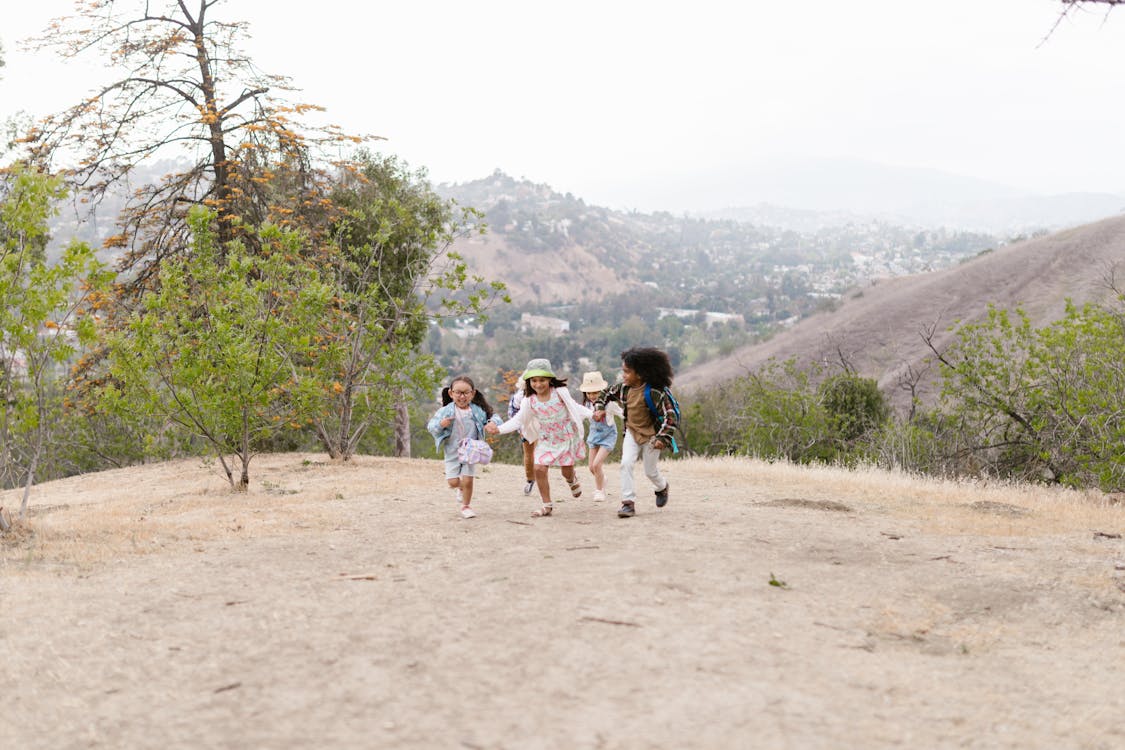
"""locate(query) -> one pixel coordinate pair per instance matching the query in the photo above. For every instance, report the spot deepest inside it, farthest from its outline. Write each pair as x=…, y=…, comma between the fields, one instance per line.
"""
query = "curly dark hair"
x=651, y=365
x=478, y=397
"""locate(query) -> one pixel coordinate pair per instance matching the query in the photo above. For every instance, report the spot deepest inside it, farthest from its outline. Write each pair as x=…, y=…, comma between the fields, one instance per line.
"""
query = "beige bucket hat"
x=593, y=382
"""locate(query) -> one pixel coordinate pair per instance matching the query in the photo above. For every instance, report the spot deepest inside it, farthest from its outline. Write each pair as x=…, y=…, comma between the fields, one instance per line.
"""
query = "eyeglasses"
x=462, y=393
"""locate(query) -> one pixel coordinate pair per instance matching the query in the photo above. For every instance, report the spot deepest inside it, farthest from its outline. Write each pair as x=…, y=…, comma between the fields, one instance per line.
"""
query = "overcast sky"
x=598, y=98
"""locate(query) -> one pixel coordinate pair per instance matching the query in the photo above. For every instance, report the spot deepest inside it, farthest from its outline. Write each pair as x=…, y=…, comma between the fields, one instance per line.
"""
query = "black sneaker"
x=626, y=510
x=662, y=496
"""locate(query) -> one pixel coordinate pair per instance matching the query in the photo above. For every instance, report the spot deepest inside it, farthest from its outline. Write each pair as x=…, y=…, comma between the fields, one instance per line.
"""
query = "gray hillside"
x=879, y=329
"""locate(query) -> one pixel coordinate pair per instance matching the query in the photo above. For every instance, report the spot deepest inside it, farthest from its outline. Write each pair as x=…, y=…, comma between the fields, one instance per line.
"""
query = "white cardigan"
x=528, y=424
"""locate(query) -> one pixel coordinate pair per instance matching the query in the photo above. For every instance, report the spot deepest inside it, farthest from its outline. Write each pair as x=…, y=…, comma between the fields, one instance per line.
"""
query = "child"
x=551, y=418
x=644, y=436
x=603, y=435
x=464, y=413
x=528, y=446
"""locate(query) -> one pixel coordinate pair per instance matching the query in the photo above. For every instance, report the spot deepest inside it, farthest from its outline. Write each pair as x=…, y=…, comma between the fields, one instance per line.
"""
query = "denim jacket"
x=441, y=434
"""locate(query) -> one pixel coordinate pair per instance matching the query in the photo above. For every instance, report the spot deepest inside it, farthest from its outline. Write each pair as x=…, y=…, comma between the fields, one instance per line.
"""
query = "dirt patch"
x=350, y=606
x=797, y=502
x=999, y=509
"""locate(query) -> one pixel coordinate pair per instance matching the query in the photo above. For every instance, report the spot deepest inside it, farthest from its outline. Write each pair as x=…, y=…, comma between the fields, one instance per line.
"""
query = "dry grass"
x=88, y=520
x=945, y=506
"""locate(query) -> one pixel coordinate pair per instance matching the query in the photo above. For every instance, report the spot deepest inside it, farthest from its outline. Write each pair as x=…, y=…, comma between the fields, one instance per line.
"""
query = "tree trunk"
x=31, y=469
x=402, y=430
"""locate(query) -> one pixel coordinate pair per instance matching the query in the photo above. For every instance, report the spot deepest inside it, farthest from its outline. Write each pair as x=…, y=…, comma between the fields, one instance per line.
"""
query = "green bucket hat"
x=538, y=368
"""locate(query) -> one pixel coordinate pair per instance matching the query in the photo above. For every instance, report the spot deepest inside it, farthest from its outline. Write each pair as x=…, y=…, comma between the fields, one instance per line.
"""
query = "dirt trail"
x=351, y=608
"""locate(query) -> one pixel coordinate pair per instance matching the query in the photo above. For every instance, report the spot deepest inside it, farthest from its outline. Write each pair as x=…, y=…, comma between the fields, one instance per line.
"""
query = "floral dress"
x=559, y=443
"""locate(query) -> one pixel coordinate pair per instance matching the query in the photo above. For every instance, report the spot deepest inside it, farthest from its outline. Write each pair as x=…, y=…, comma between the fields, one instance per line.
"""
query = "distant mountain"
x=799, y=194
x=878, y=329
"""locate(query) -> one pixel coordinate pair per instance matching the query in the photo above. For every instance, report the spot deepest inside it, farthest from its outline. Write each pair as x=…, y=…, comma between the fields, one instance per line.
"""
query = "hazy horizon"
x=632, y=105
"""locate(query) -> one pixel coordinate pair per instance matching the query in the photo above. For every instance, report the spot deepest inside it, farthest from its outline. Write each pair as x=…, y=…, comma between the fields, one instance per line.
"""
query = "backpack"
x=658, y=416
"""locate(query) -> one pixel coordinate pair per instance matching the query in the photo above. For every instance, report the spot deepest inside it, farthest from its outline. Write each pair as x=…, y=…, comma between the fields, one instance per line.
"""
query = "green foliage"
x=45, y=321
x=774, y=412
x=855, y=406
x=222, y=349
x=391, y=273
x=1044, y=403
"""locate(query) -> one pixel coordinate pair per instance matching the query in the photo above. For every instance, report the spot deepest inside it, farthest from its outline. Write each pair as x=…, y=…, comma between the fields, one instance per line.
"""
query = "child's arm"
x=439, y=423
x=668, y=423
x=496, y=427
x=614, y=410
x=609, y=395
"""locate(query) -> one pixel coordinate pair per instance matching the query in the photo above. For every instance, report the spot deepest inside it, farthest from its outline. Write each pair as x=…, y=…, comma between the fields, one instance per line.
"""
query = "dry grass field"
x=766, y=606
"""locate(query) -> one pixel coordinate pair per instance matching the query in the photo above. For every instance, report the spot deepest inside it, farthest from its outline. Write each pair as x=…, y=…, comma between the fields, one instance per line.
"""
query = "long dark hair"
x=478, y=397
x=651, y=365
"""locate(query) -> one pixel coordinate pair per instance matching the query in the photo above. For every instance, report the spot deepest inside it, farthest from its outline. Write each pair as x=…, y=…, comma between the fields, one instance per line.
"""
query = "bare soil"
x=766, y=606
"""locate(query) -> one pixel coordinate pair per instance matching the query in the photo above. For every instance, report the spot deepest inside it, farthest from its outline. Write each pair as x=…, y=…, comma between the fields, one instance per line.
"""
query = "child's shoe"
x=458, y=496
x=575, y=488
x=598, y=496
x=527, y=488
x=662, y=496
x=626, y=510
x=467, y=512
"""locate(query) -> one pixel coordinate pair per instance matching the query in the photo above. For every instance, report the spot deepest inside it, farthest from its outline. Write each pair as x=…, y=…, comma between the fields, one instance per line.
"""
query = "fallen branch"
x=611, y=622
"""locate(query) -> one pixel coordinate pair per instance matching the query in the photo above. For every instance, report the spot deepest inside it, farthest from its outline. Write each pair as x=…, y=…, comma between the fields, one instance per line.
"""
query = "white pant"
x=630, y=450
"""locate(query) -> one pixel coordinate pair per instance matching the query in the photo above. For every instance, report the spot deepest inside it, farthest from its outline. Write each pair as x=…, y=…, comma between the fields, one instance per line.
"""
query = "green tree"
x=44, y=321
x=392, y=273
x=212, y=352
x=181, y=87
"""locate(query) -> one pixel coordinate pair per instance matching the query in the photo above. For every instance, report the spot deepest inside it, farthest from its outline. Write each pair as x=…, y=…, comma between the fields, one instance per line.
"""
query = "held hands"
x=599, y=415
x=491, y=428
x=658, y=443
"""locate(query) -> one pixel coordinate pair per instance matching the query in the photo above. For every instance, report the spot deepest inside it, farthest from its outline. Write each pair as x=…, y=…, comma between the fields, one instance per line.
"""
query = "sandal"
x=546, y=510
x=576, y=488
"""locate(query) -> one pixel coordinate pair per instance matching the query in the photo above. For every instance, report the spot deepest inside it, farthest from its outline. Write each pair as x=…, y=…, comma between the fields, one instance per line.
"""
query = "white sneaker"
x=458, y=496
x=527, y=488
x=467, y=512
x=598, y=496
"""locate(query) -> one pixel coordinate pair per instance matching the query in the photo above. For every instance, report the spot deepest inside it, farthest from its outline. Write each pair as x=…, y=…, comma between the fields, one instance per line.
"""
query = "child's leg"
x=528, y=460
x=466, y=491
x=541, y=481
x=651, y=458
x=598, y=455
x=571, y=479
x=629, y=452
x=544, y=491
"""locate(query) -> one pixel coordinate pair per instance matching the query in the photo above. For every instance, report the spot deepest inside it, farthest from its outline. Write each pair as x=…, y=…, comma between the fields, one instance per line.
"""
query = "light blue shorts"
x=454, y=468
x=602, y=434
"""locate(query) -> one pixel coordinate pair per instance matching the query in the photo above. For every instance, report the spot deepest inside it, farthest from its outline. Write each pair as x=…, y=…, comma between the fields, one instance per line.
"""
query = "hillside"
x=552, y=248
x=878, y=328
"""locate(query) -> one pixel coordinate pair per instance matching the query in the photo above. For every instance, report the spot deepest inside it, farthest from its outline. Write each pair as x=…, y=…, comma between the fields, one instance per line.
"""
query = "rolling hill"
x=879, y=329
